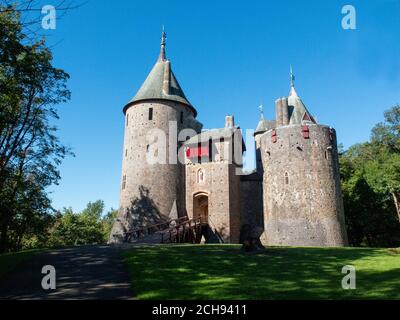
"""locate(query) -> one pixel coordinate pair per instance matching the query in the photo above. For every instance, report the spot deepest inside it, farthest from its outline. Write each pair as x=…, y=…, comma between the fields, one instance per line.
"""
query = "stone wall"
x=252, y=200
x=151, y=193
x=302, y=197
x=222, y=186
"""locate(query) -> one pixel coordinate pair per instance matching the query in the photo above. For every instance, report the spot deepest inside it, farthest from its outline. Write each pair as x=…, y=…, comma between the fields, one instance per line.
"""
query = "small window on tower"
x=127, y=119
x=210, y=147
x=286, y=178
x=124, y=182
x=151, y=114
x=126, y=152
x=181, y=117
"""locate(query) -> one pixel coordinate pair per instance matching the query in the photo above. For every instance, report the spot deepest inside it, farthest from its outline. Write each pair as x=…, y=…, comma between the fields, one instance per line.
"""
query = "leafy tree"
x=86, y=227
x=387, y=133
x=108, y=222
x=383, y=172
x=30, y=151
x=370, y=174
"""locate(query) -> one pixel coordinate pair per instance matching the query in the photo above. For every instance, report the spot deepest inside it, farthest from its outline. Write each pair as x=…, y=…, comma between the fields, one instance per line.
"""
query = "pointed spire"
x=292, y=79
x=162, y=56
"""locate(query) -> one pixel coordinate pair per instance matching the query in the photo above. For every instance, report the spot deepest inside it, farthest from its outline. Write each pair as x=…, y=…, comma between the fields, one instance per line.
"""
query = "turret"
x=152, y=191
x=303, y=203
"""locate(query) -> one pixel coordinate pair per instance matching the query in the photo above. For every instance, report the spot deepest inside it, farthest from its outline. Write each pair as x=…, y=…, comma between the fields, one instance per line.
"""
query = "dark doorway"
x=200, y=207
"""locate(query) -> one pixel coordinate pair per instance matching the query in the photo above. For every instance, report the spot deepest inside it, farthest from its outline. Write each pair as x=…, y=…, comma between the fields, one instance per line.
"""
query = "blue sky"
x=229, y=57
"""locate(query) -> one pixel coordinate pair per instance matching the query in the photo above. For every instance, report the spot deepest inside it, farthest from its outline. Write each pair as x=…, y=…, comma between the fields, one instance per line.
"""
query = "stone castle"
x=293, y=197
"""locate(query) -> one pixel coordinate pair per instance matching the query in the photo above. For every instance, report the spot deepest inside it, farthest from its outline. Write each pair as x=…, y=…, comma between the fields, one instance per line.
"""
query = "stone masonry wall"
x=302, y=196
x=252, y=200
x=150, y=192
x=222, y=186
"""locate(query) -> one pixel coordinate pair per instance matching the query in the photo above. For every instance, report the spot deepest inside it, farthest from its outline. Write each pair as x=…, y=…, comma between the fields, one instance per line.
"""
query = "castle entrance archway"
x=200, y=206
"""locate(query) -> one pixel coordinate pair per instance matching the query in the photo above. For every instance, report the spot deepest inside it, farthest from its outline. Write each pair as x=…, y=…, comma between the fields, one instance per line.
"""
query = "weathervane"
x=163, y=36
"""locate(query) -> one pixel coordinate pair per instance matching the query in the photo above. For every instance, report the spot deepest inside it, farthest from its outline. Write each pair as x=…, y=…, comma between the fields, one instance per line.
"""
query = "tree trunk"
x=396, y=200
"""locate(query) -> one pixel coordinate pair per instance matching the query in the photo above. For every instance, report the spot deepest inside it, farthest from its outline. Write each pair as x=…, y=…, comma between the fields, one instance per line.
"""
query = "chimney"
x=229, y=121
x=278, y=111
x=285, y=111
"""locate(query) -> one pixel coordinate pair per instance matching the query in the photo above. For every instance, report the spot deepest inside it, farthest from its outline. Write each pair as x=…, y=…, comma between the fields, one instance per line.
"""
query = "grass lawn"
x=10, y=261
x=223, y=272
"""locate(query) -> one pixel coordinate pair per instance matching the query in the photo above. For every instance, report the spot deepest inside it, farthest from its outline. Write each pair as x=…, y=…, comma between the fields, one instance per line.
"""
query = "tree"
x=387, y=133
x=31, y=13
x=30, y=152
x=383, y=171
x=370, y=175
x=108, y=222
x=86, y=227
x=383, y=174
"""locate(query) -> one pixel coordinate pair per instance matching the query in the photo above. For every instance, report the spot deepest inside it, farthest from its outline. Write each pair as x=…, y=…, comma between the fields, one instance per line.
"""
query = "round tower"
x=303, y=203
x=153, y=191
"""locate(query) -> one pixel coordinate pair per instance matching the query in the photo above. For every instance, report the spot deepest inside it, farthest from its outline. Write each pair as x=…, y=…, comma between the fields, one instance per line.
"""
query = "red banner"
x=197, y=152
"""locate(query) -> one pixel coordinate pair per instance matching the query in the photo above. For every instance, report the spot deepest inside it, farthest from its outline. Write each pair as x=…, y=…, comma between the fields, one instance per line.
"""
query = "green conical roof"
x=152, y=87
x=161, y=83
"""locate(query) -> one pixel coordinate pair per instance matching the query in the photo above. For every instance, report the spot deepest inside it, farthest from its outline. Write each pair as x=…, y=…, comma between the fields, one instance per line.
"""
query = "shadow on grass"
x=10, y=261
x=223, y=272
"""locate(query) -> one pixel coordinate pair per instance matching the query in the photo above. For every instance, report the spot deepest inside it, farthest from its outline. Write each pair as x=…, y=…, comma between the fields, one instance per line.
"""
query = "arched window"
x=286, y=178
x=200, y=176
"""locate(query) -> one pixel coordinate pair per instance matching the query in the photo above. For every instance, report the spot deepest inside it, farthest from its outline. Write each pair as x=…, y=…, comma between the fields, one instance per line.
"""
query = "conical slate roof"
x=262, y=126
x=152, y=87
x=298, y=112
x=161, y=83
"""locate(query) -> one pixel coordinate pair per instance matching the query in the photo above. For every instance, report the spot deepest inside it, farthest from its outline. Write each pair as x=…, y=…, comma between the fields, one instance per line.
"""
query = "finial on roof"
x=163, y=42
x=261, y=108
x=292, y=79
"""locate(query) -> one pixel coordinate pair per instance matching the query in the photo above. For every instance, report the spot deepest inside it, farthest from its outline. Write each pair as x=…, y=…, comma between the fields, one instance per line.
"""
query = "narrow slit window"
x=151, y=114
x=326, y=155
x=124, y=182
x=198, y=153
x=127, y=119
x=286, y=178
x=210, y=145
x=181, y=117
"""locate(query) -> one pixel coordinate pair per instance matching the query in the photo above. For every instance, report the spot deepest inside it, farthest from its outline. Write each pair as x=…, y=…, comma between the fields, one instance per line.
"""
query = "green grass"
x=224, y=272
x=9, y=261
